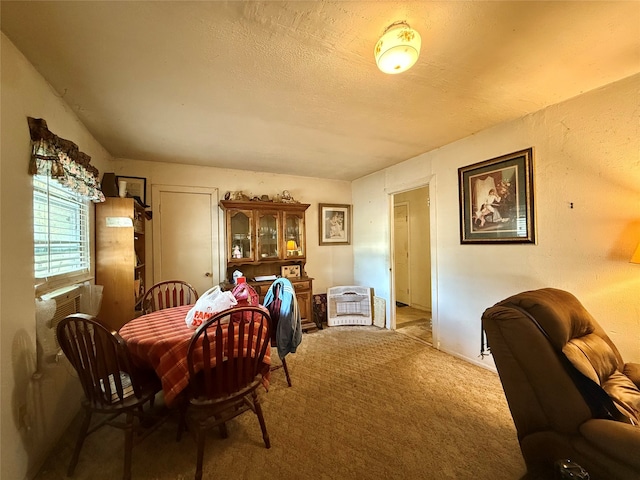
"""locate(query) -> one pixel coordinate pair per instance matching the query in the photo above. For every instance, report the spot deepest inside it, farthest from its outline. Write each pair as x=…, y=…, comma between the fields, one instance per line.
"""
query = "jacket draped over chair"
x=289, y=328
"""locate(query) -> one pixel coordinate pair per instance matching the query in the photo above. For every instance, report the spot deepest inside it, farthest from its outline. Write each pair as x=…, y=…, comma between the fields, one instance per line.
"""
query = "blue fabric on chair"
x=289, y=328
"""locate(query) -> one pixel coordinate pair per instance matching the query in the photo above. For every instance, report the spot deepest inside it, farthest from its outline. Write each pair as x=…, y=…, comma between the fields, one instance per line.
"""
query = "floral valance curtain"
x=62, y=160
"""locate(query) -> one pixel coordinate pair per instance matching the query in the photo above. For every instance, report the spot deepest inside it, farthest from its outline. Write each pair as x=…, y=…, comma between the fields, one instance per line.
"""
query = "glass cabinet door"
x=294, y=235
x=268, y=227
x=240, y=228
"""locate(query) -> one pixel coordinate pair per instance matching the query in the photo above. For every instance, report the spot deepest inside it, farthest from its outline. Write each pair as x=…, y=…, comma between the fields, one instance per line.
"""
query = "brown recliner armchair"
x=570, y=394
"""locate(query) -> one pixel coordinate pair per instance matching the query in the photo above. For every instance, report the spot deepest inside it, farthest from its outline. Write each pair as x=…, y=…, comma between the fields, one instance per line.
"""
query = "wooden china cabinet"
x=265, y=239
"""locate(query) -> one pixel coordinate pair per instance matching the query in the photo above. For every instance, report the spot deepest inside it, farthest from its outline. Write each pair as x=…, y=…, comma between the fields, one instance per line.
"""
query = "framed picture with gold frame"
x=334, y=224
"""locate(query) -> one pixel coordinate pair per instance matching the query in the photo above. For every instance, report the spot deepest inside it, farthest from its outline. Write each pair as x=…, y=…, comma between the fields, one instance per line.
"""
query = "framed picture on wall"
x=334, y=224
x=496, y=200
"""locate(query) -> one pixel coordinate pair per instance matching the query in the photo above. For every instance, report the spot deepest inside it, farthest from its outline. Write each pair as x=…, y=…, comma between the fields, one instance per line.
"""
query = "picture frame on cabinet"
x=136, y=187
x=290, y=271
x=334, y=224
x=496, y=200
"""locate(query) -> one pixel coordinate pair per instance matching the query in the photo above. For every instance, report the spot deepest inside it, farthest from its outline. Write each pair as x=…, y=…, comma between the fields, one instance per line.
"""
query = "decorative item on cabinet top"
x=135, y=187
x=240, y=196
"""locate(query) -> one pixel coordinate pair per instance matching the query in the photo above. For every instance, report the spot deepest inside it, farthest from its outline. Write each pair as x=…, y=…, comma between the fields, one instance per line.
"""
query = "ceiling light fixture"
x=398, y=48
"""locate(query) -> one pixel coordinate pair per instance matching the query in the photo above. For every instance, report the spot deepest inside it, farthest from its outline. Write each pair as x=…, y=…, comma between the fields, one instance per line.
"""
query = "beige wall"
x=328, y=265
x=54, y=396
x=586, y=152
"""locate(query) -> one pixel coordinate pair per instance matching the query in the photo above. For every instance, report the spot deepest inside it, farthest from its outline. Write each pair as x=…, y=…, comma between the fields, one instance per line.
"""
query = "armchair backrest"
x=562, y=317
x=540, y=393
x=555, y=361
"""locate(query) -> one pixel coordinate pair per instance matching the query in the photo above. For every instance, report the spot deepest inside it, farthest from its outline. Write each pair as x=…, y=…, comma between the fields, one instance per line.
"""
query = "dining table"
x=160, y=340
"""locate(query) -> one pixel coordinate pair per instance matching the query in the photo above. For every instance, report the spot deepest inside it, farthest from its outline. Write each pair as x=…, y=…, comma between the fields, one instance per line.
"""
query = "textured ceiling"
x=292, y=87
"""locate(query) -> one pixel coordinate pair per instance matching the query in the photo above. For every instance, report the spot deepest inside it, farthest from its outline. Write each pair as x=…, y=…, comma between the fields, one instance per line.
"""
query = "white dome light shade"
x=398, y=49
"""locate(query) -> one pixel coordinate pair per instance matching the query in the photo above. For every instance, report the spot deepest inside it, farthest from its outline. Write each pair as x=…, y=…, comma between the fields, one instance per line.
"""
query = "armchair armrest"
x=617, y=439
x=632, y=370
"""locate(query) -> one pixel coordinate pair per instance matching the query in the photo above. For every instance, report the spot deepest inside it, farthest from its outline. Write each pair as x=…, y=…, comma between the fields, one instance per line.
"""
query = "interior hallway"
x=414, y=322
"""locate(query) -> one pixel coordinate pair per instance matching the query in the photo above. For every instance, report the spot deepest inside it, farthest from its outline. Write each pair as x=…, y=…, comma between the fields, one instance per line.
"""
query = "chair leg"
x=224, y=433
x=286, y=371
x=183, y=406
x=263, y=426
x=81, y=436
x=128, y=446
x=200, y=452
x=182, y=422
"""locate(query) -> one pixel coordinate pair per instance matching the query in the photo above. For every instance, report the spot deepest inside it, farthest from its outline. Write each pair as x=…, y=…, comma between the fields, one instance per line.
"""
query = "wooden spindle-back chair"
x=226, y=366
x=111, y=384
x=171, y=293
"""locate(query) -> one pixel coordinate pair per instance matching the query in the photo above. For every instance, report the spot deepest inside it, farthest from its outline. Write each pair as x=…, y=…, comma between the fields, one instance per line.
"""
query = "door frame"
x=156, y=191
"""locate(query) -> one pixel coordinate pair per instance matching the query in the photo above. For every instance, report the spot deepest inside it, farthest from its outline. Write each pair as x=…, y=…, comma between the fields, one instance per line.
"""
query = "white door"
x=401, y=252
x=185, y=235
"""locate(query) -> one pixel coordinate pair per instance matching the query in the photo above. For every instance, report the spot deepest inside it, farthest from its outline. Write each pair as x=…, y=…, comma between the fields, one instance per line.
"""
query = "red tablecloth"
x=160, y=340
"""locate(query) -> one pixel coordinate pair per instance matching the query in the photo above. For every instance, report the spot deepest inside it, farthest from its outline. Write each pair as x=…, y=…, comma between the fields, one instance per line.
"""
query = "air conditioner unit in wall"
x=349, y=305
x=49, y=312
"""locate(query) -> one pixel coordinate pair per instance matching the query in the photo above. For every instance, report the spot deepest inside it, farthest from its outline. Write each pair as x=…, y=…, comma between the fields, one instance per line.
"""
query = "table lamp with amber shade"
x=292, y=247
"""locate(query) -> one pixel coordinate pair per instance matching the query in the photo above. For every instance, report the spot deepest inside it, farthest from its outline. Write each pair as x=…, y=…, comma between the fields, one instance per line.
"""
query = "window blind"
x=61, y=229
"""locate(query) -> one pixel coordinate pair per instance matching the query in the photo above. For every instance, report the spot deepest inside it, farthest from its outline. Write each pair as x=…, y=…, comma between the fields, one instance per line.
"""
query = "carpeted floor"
x=365, y=404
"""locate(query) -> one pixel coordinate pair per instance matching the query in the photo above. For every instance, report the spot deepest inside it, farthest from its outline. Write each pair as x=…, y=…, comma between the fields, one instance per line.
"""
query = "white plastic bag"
x=212, y=301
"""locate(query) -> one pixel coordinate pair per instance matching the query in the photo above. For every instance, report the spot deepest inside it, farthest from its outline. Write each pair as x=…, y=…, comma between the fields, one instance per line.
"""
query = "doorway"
x=412, y=264
x=185, y=235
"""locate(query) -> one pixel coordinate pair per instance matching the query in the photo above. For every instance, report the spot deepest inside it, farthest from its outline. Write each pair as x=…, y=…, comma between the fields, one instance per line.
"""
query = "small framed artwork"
x=136, y=187
x=334, y=224
x=496, y=200
x=289, y=271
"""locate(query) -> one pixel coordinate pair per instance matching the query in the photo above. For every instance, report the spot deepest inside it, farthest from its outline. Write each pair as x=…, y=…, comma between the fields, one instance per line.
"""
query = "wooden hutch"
x=265, y=239
x=120, y=259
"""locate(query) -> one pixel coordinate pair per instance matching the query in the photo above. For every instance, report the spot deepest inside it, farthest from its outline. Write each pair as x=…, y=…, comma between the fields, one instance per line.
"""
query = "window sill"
x=60, y=285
